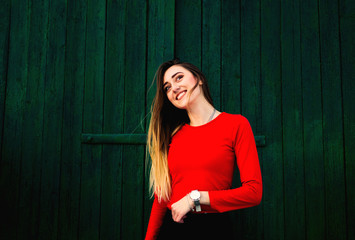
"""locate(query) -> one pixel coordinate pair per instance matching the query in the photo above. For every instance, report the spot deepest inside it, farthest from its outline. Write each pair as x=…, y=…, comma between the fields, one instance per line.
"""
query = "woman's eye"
x=178, y=78
x=166, y=89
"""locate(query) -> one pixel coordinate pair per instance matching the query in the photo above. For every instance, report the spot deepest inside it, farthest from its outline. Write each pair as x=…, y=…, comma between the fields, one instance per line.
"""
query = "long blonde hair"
x=165, y=121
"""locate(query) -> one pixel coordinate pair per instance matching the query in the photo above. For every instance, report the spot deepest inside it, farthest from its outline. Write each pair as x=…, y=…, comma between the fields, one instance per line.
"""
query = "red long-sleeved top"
x=204, y=158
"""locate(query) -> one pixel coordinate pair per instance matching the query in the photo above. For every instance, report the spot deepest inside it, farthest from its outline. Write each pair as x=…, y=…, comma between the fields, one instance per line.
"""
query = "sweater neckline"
x=206, y=124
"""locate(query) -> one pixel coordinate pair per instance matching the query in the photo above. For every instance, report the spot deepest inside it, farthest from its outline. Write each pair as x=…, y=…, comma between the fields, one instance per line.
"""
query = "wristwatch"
x=195, y=197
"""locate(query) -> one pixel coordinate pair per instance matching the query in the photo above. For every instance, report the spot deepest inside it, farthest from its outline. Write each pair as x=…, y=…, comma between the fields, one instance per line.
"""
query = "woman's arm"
x=250, y=193
x=156, y=218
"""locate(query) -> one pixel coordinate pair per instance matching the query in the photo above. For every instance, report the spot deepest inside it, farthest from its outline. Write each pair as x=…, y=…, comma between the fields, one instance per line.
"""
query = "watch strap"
x=198, y=206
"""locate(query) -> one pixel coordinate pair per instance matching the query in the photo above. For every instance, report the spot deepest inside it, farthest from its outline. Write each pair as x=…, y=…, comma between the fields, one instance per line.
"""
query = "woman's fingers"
x=179, y=209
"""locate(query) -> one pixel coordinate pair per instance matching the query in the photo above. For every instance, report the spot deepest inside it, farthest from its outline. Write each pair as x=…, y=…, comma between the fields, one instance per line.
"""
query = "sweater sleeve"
x=250, y=193
x=156, y=218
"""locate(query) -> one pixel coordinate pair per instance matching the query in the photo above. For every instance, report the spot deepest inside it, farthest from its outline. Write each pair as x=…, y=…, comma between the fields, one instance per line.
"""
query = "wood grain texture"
x=90, y=191
x=312, y=122
x=251, y=226
x=134, y=112
x=332, y=121
x=32, y=137
x=250, y=62
x=292, y=115
x=230, y=78
x=273, y=200
x=230, y=57
x=347, y=53
x=70, y=169
x=76, y=89
x=4, y=58
x=111, y=186
x=52, y=120
x=188, y=24
x=11, y=152
x=211, y=48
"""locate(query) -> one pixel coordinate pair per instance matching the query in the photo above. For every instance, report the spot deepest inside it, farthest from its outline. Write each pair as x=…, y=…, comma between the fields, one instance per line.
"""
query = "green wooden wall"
x=70, y=70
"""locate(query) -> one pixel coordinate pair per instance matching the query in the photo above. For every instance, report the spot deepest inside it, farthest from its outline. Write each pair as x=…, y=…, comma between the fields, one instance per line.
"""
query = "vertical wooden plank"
x=111, y=187
x=230, y=78
x=33, y=122
x=161, y=27
x=93, y=120
x=250, y=62
x=347, y=36
x=251, y=219
x=292, y=121
x=52, y=122
x=68, y=216
x=272, y=120
x=133, y=156
x=4, y=55
x=11, y=153
x=332, y=121
x=4, y=58
x=230, y=57
x=312, y=121
x=188, y=31
x=211, y=47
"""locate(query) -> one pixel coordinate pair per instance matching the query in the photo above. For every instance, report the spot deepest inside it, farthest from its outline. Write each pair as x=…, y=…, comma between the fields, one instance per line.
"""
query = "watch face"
x=195, y=194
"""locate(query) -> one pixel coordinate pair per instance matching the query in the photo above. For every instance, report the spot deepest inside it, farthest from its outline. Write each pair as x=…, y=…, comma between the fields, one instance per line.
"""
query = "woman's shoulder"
x=235, y=118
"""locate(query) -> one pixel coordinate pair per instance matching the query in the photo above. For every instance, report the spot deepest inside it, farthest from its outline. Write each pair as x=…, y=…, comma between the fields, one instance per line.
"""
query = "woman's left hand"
x=180, y=209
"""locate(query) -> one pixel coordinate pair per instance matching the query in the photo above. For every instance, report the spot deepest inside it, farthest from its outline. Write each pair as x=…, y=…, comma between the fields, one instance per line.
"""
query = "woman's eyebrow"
x=175, y=74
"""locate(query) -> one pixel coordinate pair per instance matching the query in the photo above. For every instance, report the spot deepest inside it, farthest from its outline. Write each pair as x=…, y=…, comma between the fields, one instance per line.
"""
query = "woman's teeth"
x=180, y=95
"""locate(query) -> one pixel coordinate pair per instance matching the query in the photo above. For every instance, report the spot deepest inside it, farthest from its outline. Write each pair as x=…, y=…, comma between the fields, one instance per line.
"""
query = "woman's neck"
x=201, y=114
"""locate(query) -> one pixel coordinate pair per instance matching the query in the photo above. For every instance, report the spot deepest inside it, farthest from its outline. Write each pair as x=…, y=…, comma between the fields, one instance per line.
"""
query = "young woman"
x=194, y=149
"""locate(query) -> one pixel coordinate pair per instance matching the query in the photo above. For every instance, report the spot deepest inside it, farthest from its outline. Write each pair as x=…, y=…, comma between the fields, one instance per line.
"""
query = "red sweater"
x=204, y=158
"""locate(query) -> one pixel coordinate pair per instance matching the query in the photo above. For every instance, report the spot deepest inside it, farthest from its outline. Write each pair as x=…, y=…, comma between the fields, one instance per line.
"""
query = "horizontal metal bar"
x=140, y=139
x=135, y=139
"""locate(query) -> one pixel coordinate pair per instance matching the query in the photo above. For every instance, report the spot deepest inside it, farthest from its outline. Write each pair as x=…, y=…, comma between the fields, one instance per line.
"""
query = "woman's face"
x=178, y=85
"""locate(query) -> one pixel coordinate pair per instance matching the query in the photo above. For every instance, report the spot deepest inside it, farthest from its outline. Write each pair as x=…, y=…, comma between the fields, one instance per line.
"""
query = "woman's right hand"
x=181, y=208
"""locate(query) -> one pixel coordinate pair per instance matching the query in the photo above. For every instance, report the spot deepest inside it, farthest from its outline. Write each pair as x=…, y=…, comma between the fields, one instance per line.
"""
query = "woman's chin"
x=181, y=107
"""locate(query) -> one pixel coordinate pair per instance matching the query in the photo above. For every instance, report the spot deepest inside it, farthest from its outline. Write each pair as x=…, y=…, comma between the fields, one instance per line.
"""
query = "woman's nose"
x=176, y=88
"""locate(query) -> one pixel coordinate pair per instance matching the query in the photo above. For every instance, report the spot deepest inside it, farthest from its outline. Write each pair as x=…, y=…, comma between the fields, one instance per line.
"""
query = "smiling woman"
x=194, y=148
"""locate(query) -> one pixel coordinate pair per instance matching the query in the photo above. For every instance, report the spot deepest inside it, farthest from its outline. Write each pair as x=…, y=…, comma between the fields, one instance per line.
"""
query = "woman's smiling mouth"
x=180, y=95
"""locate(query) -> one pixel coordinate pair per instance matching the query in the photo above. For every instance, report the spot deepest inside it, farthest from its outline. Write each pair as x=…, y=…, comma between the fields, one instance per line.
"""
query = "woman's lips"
x=180, y=95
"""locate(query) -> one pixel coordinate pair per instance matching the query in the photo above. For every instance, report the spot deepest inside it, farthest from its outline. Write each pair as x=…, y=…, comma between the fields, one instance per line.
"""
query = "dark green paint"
x=111, y=178
x=332, y=121
x=250, y=221
x=271, y=99
x=4, y=54
x=134, y=112
x=188, y=24
x=211, y=47
x=70, y=173
x=312, y=122
x=347, y=53
x=76, y=89
x=294, y=195
x=12, y=175
x=91, y=165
